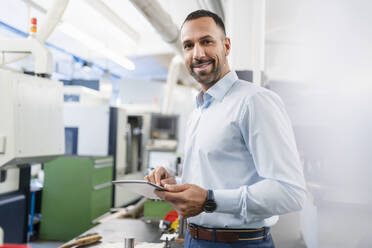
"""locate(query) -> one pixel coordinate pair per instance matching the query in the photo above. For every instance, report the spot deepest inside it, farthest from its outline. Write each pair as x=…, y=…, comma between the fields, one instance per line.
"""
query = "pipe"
x=212, y=5
x=172, y=78
x=110, y=15
x=34, y=5
x=51, y=20
x=161, y=21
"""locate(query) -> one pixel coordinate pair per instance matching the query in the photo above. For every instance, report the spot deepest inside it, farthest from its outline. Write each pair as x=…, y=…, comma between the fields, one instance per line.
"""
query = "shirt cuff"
x=178, y=180
x=227, y=200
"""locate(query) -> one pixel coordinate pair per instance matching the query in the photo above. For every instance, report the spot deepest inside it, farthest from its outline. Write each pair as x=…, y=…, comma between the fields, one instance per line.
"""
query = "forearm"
x=260, y=200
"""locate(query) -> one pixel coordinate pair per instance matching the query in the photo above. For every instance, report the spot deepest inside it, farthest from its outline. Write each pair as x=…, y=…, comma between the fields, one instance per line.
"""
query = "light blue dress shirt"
x=240, y=144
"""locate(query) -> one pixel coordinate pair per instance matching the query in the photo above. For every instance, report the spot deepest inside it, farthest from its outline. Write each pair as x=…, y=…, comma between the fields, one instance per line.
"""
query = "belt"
x=227, y=235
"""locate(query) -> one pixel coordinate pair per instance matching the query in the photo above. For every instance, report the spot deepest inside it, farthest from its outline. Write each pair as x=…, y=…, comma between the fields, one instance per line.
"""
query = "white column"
x=245, y=25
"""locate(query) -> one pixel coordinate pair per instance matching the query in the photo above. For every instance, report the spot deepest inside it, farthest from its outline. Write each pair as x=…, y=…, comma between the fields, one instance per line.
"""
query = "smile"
x=203, y=66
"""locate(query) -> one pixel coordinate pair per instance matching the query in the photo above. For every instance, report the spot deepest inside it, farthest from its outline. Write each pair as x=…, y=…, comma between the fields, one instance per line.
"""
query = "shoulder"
x=246, y=92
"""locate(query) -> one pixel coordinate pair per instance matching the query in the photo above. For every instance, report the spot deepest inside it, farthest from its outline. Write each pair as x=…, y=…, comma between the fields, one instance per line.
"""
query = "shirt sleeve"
x=268, y=135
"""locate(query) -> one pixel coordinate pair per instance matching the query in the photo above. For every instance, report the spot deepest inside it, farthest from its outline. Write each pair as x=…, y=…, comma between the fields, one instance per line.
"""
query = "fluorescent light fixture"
x=95, y=45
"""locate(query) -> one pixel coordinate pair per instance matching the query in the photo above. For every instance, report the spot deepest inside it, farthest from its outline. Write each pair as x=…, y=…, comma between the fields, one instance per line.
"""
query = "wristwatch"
x=210, y=204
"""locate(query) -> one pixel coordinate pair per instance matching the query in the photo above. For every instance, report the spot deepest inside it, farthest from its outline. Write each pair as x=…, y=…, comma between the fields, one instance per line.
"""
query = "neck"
x=205, y=87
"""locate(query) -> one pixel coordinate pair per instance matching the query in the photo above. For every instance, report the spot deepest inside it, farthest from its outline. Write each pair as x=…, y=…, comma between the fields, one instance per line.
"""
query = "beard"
x=206, y=77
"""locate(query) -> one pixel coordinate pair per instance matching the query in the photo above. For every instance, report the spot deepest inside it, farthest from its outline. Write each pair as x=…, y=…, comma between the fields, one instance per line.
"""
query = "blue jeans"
x=190, y=242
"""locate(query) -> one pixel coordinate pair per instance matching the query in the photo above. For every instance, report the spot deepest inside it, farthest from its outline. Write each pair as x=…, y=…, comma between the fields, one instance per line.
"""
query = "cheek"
x=213, y=53
x=221, y=56
x=187, y=60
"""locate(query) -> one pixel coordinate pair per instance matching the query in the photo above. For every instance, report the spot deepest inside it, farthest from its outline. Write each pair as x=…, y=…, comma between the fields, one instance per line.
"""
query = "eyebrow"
x=202, y=38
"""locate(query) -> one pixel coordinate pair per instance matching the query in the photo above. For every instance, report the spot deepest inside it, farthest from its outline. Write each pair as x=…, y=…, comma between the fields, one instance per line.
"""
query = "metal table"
x=116, y=230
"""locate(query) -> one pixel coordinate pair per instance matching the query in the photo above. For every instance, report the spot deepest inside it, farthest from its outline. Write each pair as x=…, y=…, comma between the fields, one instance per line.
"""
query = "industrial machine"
x=135, y=132
x=24, y=99
x=85, y=170
x=86, y=120
x=163, y=133
x=126, y=145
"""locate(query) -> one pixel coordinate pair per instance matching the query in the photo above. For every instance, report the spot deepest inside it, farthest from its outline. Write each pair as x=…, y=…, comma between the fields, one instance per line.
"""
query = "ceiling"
x=150, y=53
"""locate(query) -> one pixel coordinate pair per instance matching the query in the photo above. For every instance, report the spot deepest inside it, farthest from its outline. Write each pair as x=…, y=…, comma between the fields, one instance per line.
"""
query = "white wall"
x=319, y=41
x=134, y=91
x=318, y=56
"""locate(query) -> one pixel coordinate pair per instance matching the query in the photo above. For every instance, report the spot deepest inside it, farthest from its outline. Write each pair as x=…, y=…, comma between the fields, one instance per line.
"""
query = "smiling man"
x=241, y=168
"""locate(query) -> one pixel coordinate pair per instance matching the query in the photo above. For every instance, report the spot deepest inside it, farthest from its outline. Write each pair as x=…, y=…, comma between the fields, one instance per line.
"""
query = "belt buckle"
x=195, y=230
x=266, y=232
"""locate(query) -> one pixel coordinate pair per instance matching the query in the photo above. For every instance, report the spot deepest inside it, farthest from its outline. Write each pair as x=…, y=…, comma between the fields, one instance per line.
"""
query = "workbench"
x=114, y=231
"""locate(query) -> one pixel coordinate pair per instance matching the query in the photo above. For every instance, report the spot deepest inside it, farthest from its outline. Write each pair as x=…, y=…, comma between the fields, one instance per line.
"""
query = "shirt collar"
x=218, y=90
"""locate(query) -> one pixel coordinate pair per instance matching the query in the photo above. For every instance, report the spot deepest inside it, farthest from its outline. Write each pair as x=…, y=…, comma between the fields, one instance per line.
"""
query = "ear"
x=227, y=44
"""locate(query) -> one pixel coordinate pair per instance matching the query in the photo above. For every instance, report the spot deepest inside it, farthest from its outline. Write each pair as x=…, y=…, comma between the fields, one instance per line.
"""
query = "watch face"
x=210, y=206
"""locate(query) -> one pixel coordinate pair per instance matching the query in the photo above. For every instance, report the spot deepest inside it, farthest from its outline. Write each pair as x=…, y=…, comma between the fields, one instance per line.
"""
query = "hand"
x=160, y=176
x=187, y=199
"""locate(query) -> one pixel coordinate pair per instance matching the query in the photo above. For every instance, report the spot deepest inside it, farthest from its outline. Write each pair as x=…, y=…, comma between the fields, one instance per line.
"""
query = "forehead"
x=200, y=27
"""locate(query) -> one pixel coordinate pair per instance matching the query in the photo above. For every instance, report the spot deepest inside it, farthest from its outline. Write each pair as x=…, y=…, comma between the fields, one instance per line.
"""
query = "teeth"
x=203, y=65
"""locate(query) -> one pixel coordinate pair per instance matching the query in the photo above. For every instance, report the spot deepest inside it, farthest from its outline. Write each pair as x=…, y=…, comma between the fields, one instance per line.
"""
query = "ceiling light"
x=95, y=45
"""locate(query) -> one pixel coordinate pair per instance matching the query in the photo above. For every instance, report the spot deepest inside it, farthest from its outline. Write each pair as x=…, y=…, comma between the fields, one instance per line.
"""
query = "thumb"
x=176, y=187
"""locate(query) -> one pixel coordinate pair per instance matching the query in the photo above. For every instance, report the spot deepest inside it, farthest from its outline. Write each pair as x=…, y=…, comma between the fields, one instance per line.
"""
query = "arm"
x=268, y=135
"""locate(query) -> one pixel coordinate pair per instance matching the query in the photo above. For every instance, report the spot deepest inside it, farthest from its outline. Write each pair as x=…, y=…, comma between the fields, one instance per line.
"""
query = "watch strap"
x=210, y=195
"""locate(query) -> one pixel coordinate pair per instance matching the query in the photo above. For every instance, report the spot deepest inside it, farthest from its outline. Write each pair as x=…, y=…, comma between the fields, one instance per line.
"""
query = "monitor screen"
x=164, y=126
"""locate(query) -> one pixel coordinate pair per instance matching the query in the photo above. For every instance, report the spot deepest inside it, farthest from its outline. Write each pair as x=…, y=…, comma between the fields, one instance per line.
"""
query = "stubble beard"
x=213, y=74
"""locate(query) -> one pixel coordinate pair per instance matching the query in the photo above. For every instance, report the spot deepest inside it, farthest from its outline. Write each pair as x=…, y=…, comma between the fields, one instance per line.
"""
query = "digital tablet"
x=141, y=187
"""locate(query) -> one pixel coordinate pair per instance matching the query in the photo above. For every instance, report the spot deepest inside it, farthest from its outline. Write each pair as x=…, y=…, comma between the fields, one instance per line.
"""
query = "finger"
x=152, y=177
x=176, y=187
x=170, y=180
x=146, y=178
x=160, y=194
x=158, y=178
x=159, y=174
x=170, y=197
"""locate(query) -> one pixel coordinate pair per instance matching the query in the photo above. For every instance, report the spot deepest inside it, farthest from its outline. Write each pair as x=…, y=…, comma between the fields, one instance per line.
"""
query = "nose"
x=198, y=52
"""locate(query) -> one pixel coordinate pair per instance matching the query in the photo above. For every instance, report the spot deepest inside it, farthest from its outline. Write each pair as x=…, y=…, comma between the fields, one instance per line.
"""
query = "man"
x=241, y=168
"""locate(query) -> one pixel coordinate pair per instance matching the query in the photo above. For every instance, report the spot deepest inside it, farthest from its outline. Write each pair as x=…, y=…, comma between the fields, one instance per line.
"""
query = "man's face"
x=205, y=49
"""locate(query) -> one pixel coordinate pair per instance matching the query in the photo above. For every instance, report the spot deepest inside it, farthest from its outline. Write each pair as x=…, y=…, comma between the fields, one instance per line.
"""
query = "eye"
x=206, y=42
x=187, y=46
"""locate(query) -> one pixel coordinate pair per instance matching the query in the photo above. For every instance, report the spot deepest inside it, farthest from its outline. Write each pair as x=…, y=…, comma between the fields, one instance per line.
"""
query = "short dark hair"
x=206, y=13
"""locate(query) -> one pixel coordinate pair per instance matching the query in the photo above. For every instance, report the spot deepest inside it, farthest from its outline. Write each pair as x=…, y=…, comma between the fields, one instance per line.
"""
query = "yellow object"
x=33, y=29
x=174, y=224
x=85, y=240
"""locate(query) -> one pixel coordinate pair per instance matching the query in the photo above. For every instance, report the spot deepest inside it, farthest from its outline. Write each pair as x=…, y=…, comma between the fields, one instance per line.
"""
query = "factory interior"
x=97, y=91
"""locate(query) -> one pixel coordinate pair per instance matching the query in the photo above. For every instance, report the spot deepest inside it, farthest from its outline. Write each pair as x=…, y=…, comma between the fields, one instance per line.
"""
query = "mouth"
x=204, y=66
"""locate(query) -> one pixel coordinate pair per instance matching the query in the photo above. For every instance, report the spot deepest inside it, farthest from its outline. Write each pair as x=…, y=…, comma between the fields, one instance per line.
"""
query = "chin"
x=205, y=82
x=203, y=79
